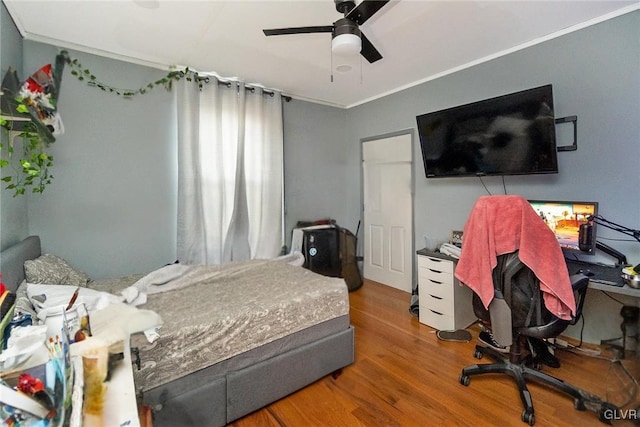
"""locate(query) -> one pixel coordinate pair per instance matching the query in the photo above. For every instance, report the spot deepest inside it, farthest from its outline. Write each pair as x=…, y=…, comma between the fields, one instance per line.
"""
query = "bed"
x=217, y=359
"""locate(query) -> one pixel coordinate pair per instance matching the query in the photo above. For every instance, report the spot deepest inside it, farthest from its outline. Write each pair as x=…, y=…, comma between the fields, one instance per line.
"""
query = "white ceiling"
x=418, y=39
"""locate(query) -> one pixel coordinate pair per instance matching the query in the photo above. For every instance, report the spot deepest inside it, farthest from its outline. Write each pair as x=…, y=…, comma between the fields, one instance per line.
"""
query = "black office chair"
x=518, y=303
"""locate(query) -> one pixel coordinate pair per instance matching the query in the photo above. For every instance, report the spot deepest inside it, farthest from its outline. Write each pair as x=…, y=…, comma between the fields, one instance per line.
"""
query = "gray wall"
x=315, y=164
x=113, y=204
x=13, y=210
x=595, y=74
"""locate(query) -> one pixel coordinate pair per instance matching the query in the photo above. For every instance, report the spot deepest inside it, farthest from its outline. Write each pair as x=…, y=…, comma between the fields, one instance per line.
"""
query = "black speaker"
x=585, y=237
x=321, y=249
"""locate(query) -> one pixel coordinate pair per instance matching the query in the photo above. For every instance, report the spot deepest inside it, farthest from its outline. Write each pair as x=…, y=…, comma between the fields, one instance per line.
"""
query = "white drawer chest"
x=444, y=304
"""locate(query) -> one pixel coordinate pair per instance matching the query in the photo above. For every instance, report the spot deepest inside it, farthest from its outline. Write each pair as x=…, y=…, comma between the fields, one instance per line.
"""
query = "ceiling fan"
x=346, y=37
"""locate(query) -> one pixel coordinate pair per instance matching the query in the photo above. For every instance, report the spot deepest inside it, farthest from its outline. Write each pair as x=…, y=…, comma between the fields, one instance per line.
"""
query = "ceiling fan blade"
x=365, y=10
x=369, y=52
x=298, y=30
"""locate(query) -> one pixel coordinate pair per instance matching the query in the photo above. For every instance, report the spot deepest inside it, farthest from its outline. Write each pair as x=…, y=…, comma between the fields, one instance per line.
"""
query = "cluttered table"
x=117, y=407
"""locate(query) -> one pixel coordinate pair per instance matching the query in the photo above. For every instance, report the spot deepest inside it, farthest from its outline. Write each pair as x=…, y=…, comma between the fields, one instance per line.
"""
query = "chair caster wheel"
x=528, y=417
x=477, y=354
x=464, y=379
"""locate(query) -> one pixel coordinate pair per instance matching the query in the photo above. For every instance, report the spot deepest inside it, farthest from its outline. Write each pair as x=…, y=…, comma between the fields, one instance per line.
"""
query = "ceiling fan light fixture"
x=345, y=40
x=346, y=45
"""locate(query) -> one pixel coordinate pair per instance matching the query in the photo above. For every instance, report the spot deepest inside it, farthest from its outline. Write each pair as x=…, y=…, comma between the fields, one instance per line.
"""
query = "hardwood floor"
x=404, y=376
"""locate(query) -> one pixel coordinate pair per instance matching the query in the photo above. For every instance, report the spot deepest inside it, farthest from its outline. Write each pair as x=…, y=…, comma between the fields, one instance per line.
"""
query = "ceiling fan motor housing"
x=345, y=26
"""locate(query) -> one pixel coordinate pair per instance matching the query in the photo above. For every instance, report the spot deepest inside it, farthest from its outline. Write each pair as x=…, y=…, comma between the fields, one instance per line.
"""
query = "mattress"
x=254, y=310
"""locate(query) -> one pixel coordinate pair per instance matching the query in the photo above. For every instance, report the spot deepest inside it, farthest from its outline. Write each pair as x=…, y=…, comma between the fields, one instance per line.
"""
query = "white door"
x=388, y=206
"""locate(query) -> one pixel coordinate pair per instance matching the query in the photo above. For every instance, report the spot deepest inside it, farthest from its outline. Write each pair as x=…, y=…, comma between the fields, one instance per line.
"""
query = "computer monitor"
x=569, y=221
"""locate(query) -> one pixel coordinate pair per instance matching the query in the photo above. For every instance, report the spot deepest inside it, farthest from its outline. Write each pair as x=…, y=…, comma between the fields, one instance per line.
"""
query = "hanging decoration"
x=28, y=112
x=84, y=74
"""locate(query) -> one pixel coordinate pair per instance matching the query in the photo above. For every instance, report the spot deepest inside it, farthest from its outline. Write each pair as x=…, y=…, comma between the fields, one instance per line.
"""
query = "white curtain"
x=230, y=173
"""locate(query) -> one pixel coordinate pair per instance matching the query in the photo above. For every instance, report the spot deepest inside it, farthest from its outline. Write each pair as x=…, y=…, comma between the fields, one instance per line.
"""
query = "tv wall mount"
x=574, y=145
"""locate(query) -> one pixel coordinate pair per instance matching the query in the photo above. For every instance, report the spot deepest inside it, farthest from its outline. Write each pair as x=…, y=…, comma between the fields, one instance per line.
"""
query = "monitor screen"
x=565, y=220
x=512, y=134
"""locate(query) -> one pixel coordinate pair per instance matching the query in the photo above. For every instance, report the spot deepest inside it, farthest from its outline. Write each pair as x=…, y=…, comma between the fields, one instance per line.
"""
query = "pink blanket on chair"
x=500, y=225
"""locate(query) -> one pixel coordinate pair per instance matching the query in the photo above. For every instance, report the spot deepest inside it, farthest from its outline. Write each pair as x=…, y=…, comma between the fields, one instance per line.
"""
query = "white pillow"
x=45, y=297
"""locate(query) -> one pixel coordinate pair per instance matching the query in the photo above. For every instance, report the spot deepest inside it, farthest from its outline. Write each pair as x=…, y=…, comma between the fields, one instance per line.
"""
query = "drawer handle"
x=435, y=312
x=435, y=271
x=436, y=282
x=435, y=296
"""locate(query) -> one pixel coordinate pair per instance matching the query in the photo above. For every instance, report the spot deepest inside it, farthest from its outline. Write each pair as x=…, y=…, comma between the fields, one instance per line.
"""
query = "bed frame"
x=215, y=400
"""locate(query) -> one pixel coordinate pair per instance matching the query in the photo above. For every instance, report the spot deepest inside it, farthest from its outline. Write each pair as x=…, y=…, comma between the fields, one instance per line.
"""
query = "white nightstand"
x=444, y=304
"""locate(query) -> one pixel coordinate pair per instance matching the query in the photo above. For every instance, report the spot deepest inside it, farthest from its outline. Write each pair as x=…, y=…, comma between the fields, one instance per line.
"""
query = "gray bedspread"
x=227, y=310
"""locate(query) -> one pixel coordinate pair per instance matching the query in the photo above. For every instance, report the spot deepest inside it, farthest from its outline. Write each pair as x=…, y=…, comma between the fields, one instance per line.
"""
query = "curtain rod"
x=251, y=89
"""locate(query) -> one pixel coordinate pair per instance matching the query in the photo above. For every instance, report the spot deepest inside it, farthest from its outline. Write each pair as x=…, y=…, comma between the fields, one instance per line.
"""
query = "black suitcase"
x=321, y=248
x=331, y=251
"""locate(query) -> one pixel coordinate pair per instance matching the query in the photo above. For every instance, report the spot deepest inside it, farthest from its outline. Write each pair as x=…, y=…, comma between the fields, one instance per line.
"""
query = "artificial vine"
x=33, y=169
x=84, y=74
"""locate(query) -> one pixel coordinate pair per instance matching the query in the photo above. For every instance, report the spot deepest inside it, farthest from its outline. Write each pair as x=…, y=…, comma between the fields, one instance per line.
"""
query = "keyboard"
x=598, y=273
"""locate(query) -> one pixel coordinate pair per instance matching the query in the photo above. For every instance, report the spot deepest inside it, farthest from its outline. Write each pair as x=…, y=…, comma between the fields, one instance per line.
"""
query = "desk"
x=621, y=290
x=120, y=406
x=607, y=274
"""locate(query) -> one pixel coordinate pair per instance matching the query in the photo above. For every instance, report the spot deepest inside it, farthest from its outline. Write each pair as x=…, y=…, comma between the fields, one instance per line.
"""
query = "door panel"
x=397, y=249
x=377, y=247
x=388, y=212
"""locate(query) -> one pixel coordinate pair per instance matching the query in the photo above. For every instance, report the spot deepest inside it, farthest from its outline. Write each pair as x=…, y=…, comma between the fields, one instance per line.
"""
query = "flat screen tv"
x=566, y=219
x=512, y=134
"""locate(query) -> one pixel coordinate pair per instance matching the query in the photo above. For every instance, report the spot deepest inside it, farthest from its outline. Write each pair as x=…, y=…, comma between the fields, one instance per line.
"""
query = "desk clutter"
x=631, y=276
x=56, y=373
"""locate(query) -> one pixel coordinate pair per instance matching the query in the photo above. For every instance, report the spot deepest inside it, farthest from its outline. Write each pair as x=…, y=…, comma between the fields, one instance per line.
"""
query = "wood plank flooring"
x=404, y=376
